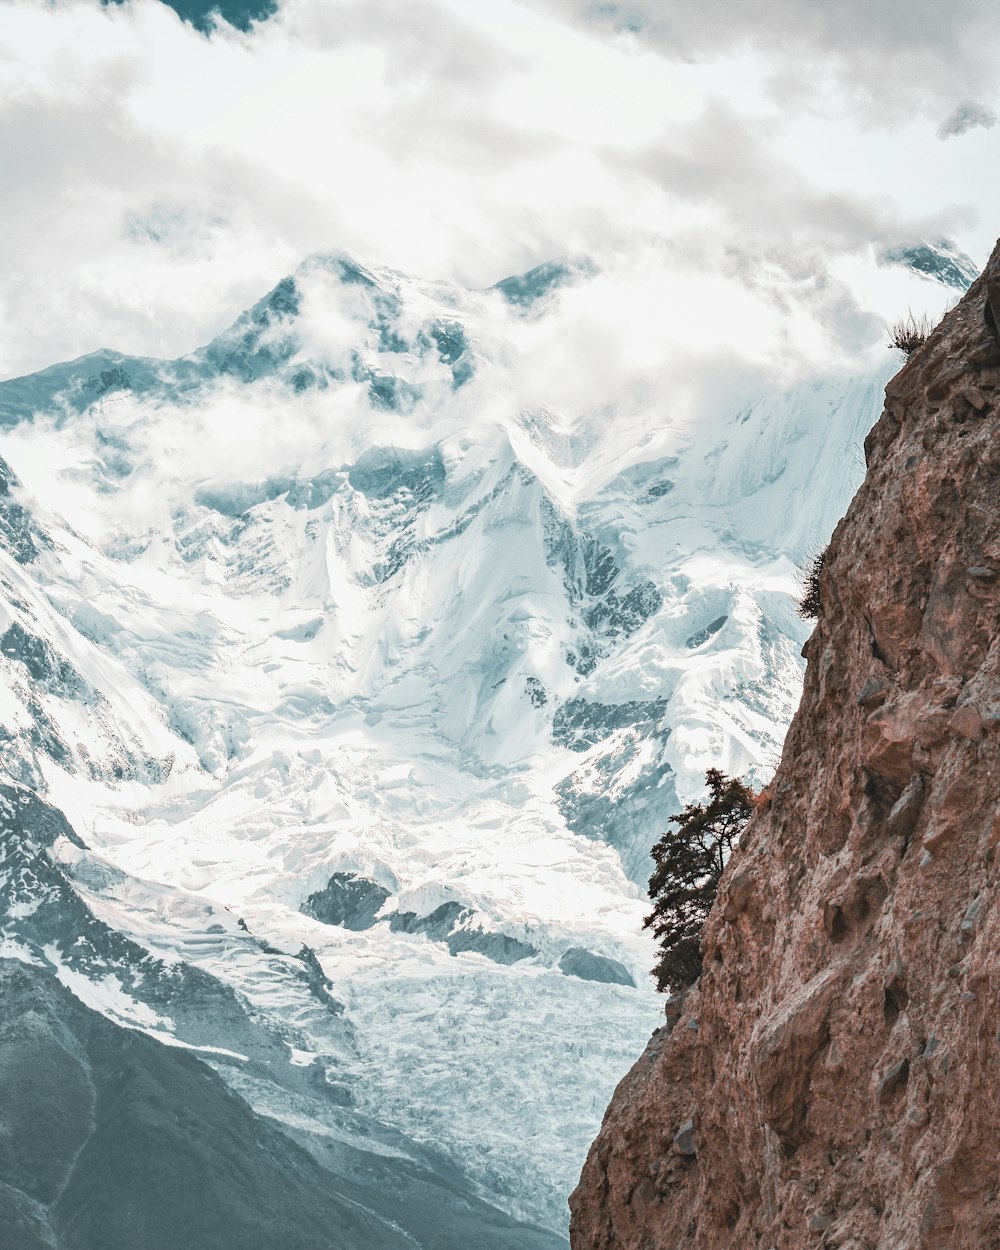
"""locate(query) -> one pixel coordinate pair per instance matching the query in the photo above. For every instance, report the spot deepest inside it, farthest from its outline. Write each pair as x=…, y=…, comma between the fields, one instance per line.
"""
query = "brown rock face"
x=834, y=1079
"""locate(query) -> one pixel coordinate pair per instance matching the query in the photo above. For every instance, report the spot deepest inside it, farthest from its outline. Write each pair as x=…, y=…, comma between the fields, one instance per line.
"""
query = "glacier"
x=345, y=682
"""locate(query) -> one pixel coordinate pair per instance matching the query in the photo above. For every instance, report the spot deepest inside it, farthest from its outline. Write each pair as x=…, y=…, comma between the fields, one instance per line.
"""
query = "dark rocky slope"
x=111, y=1139
x=833, y=1080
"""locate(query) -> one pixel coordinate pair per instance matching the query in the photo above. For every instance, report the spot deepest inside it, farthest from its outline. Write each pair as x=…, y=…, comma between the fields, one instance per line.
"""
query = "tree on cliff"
x=689, y=862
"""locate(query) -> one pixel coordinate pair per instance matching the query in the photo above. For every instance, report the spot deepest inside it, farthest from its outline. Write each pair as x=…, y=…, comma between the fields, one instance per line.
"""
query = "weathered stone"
x=968, y=723
x=974, y=396
x=894, y=1080
x=738, y=892
x=936, y=837
x=683, y=1143
x=971, y=916
x=943, y=381
x=873, y=692
x=789, y=1130
x=985, y=355
x=673, y=1008
x=906, y=809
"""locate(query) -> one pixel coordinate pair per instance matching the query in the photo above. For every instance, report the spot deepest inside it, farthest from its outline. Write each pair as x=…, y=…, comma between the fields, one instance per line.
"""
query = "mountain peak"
x=939, y=260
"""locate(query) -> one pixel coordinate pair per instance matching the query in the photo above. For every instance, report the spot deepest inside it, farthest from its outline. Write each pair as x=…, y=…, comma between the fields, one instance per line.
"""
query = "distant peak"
x=939, y=260
x=204, y=15
x=345, y=268
x=526, y=289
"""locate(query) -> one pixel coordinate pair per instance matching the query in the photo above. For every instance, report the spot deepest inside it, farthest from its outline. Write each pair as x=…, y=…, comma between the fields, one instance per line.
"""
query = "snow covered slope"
x=365, y=677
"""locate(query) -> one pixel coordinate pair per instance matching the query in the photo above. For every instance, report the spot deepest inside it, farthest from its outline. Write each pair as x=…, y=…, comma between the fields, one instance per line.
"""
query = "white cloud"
x=158, y=180
x=883, y=59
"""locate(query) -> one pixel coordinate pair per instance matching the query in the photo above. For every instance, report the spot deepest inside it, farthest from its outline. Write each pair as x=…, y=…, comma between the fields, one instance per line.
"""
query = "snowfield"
x=366, y=675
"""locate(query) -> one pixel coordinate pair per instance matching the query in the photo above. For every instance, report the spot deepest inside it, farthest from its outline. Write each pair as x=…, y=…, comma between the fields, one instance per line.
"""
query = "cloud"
x=881, y=60
x=964, y=117
x=158, y=179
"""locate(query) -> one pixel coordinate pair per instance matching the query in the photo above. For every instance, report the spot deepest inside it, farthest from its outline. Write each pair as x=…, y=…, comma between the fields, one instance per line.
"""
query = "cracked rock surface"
x=834, y=1079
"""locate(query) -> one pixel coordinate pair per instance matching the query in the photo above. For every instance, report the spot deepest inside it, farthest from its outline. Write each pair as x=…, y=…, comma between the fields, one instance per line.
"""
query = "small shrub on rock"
x=811, y=604
x=908, y=333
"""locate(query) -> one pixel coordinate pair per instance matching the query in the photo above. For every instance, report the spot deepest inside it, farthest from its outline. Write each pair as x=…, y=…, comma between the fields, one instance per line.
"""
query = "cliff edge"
x=834, y=1078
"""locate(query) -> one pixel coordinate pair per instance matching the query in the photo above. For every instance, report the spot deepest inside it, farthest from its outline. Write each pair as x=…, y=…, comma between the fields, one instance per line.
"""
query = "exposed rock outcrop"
x=834, y=1079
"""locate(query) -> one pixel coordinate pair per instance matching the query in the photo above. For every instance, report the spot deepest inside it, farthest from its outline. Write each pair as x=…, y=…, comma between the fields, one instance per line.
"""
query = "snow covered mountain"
x=344, y=685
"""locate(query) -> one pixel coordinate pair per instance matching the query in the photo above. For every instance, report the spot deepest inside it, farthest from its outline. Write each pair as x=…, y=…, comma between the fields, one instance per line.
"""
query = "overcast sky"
x=157, y=178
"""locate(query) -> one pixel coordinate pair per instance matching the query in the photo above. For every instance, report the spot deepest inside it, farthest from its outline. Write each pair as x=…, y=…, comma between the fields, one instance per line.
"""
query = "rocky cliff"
x=833, y=1079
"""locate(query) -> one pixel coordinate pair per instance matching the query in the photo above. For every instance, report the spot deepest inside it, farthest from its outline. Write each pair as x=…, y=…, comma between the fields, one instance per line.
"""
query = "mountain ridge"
x=413, y=624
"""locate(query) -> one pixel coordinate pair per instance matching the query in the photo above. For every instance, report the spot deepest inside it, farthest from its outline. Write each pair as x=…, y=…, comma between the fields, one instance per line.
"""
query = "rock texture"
x=834, y=1079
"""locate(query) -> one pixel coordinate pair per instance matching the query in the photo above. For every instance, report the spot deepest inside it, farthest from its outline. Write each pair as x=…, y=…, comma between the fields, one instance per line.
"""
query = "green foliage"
x=811, y=604
x=689, y=862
